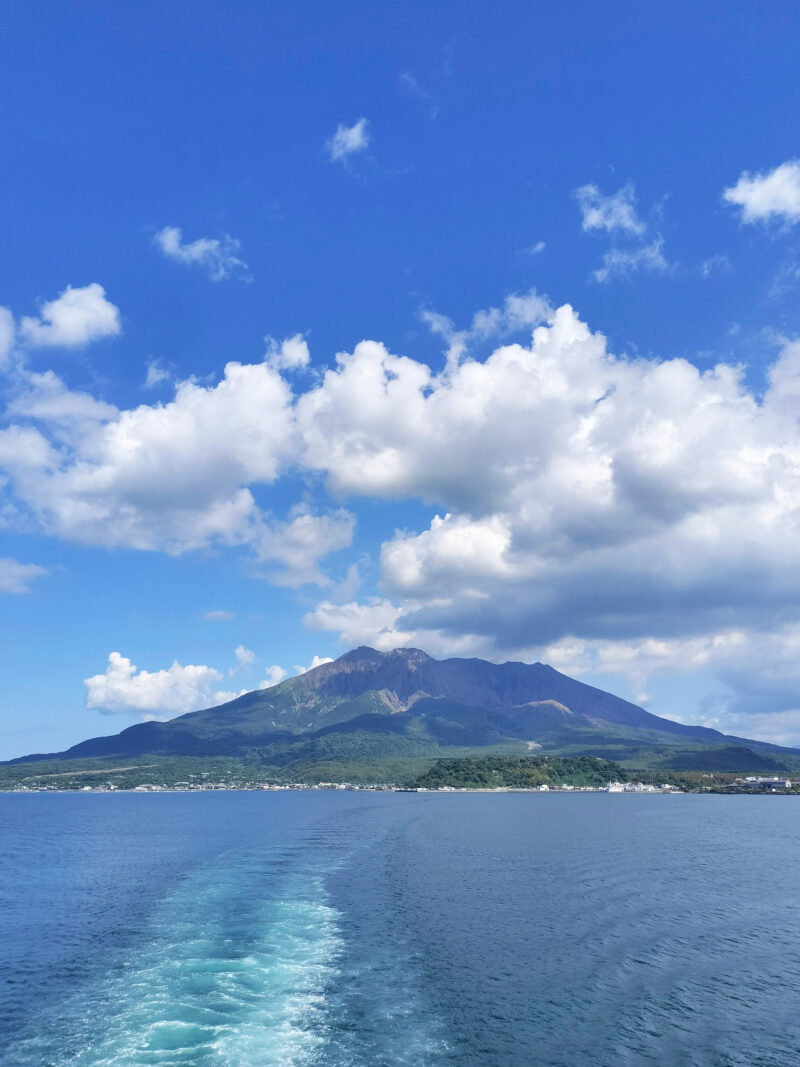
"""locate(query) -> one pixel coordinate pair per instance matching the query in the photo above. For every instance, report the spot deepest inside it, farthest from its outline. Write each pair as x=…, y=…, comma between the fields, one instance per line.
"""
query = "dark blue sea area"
x=333, y=928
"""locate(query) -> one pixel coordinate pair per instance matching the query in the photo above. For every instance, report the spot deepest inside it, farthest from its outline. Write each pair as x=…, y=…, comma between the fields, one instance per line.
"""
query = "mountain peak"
x=404, y=704
x=365, y=654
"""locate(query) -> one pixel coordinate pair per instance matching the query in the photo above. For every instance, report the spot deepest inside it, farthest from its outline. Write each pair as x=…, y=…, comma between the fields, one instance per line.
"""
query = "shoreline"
x=399, y=789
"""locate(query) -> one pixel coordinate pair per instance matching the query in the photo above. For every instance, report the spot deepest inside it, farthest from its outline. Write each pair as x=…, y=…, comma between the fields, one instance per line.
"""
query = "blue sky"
x=190, y=187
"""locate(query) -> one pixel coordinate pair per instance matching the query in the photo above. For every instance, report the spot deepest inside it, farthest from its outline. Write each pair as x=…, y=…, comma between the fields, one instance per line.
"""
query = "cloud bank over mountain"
x=640, y=511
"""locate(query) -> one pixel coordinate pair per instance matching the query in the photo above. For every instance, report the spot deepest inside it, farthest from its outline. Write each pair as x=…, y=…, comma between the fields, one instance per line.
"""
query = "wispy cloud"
x=15, y=577
x=615, y=212
x=718, y=264
x=157, y=374
x=217, y=256
x=624, y=262
x=348, y=141
x=634, y=250
x=424, y=97
x=520, y=312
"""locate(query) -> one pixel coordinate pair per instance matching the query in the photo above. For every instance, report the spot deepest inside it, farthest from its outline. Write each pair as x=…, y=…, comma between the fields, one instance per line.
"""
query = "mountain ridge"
x=406, y=701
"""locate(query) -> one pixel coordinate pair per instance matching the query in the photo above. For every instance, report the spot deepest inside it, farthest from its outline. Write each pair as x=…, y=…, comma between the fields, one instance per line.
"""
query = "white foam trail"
x=233, y=974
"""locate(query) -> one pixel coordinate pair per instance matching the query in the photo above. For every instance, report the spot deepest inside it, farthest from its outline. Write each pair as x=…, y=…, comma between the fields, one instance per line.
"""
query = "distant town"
x=199, y=783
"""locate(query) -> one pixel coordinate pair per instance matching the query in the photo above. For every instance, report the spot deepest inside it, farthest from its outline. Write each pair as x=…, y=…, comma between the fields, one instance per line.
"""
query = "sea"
x=359, y=928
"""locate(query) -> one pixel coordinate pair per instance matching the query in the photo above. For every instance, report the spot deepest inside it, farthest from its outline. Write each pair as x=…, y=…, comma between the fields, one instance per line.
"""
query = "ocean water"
x=249, y=929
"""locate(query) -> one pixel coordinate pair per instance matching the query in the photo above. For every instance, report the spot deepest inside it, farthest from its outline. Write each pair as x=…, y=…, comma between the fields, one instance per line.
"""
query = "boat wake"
x=244, y=963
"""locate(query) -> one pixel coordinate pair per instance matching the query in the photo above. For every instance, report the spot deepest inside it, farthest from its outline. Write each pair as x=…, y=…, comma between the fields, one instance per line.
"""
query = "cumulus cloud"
x=74, y=319
x=624, y=262
x=219, y=616
x=273, y=676
x=348, y=141
x=217, y=256
x=167, y=477
x=126, y=690
x=573, y=494
x=15, y=577
x=245, y=657
x=170, y=477
x=615, y=212
x=586, y=493
x=768, y=195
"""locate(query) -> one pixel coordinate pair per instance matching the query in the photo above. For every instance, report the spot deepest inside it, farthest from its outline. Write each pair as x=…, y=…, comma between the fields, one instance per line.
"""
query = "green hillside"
x=382, y=716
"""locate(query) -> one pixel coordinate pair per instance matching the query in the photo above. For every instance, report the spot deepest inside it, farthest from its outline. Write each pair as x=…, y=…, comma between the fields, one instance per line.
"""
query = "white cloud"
x=785, y=279
x=6, y=335
x=371, y=623
x=217, y=256
x=375, y=623
x=623, y=262
x=168, y=477
x=610, y=213
x=15, y=577
x=274, y=675
x=45, y=398
x=585, y=493
x=760, y=671
x=219, y=616
x=348, y=140
x=298, y=544
x=769, y=195
x=520, y=313
x=245, y=657
x=317, y=661
x=157, y=374
x=579, y=495
x=717, y=264
x=536, y=249
x=616, y=214
x=291, y=354
x=74, y=319
x=126, y=690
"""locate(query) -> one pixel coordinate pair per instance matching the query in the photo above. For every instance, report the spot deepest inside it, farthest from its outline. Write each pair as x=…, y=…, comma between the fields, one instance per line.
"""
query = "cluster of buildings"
x=639, y=787
x=758, y=783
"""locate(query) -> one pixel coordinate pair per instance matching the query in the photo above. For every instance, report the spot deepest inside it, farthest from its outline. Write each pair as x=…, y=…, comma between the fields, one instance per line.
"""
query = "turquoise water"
x=330, y=928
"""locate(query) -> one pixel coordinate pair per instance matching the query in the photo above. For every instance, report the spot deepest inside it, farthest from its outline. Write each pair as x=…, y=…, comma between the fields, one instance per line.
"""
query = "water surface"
x=361, y=928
